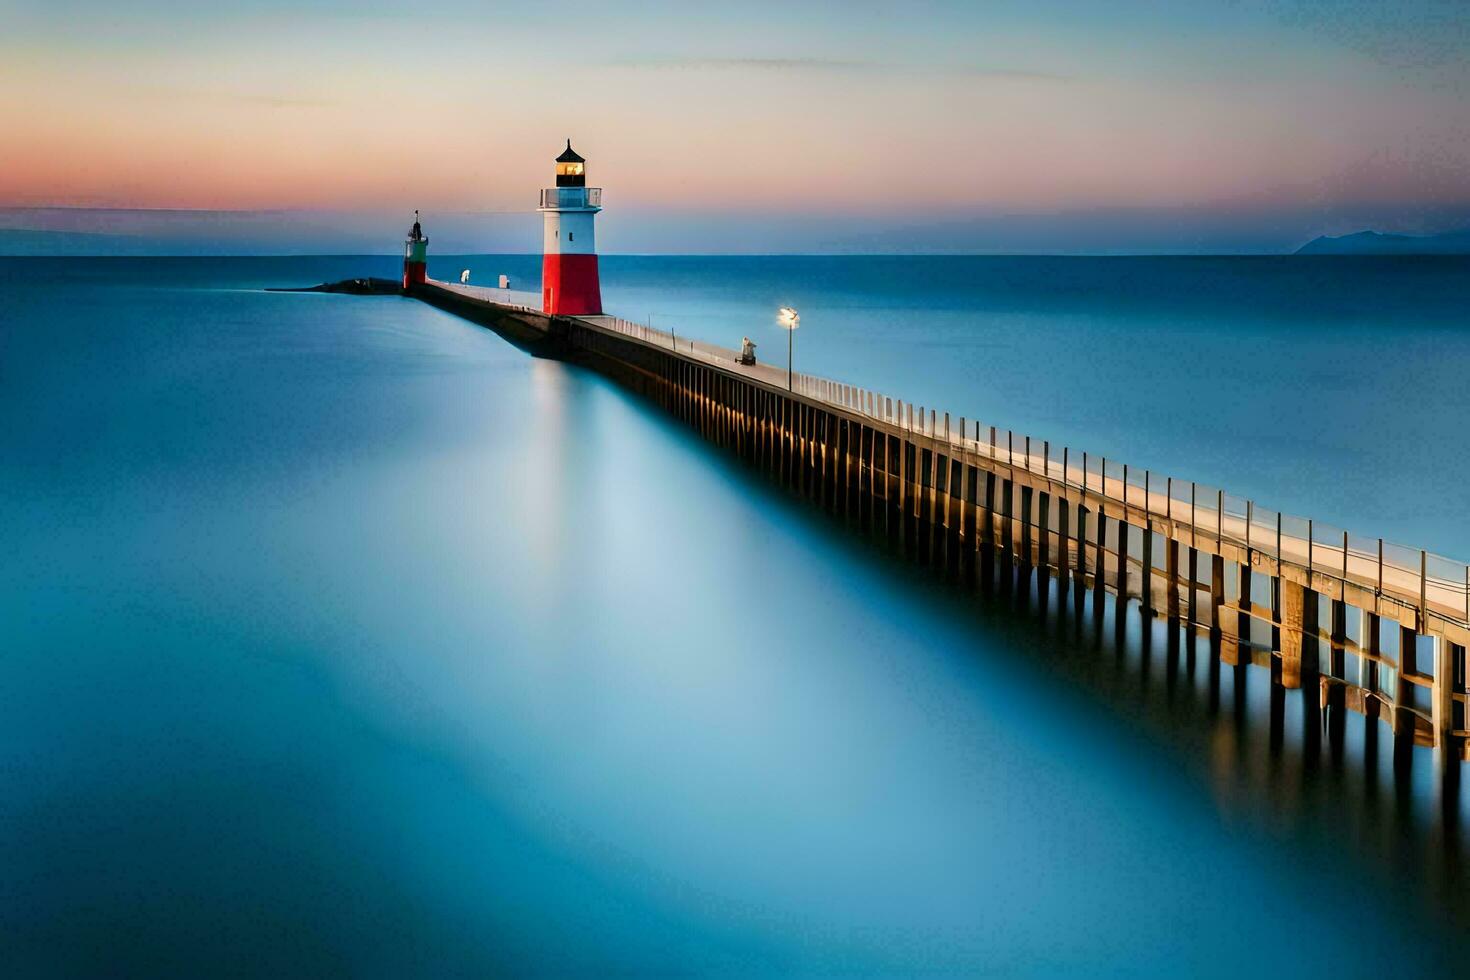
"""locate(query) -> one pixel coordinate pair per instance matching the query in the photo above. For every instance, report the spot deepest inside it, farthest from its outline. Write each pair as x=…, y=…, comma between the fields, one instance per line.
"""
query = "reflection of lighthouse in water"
x=569, y=282
x=415, y=255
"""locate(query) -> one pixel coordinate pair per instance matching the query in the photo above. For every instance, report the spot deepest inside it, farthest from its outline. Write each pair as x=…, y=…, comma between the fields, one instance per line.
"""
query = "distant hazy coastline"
x=1377, y=243
x=634, y=229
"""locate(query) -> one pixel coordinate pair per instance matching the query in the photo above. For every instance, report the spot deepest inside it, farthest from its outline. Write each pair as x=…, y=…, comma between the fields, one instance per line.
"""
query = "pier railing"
x=1427, y=581
x=503, y=298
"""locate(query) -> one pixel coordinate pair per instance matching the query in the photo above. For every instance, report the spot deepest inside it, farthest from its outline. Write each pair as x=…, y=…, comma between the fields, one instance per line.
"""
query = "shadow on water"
x=1328, y=779
x=1332, y=783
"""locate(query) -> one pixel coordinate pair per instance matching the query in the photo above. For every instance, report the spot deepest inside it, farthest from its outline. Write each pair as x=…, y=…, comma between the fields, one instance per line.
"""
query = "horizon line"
x=769, y=255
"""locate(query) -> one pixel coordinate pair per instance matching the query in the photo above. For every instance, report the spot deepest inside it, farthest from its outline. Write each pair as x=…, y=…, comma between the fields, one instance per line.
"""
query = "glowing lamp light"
x=790, y=320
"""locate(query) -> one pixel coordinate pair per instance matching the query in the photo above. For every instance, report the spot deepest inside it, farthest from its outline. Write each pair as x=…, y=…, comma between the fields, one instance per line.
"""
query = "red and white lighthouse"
x=569, y=250
x=415, y=255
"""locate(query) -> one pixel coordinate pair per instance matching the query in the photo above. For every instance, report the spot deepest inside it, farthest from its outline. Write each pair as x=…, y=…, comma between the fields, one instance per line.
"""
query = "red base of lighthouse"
x=414, y=274
x=569, y=285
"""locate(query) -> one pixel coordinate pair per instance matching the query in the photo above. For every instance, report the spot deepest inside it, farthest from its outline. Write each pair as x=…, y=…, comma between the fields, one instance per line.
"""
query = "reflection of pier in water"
x=1356, y=625
x=1275, y=757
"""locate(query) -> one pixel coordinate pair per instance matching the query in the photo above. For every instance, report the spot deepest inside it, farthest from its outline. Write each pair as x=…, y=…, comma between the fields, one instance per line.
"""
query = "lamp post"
x=789, y=319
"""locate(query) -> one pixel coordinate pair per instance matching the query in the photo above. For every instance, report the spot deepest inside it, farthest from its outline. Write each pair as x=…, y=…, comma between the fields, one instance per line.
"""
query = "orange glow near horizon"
x=375, y=112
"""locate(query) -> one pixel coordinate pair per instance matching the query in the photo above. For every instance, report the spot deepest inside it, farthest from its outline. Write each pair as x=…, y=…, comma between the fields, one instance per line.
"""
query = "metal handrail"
x=1446, y=593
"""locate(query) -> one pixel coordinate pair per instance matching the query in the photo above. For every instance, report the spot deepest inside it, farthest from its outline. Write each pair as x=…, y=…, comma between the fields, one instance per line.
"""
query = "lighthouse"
x=569, y=248
x=415, y=255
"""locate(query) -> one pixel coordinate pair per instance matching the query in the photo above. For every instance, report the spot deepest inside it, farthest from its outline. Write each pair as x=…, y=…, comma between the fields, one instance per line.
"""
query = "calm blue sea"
x=342, y=637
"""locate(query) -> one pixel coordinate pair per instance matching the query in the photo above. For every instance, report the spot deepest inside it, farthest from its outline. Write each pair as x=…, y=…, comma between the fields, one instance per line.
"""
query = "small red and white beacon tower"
x=415, y=255
x=569, y=283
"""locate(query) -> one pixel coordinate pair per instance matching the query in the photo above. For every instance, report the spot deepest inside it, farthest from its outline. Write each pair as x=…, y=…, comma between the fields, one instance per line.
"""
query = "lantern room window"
x=570, y=168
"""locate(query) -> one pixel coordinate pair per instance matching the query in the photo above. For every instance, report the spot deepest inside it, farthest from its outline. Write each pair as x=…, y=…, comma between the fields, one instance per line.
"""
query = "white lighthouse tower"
x=569, y=283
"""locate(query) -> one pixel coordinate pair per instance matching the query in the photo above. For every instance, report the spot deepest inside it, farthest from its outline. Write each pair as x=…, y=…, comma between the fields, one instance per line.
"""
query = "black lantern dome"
x=571, y=169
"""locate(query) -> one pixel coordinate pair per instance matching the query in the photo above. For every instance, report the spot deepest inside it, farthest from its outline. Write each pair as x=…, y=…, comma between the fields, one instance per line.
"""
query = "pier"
x=1366, y=625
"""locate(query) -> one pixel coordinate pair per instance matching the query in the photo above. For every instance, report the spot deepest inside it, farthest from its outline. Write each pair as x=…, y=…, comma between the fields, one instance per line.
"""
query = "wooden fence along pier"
x=1370, y=626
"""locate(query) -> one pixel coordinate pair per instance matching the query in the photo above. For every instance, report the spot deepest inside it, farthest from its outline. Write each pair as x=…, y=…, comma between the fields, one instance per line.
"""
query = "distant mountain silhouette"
x=1376, y=243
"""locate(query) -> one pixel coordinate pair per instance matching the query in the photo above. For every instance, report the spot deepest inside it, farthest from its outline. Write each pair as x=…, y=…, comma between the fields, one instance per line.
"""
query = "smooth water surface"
x=341, y=636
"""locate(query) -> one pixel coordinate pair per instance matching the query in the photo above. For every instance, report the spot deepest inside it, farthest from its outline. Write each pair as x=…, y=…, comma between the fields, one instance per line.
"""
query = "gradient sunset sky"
x=879, y=116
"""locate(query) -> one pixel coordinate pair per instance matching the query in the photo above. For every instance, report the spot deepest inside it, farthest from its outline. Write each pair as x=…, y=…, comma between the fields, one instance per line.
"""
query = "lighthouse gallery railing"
x=571, y=197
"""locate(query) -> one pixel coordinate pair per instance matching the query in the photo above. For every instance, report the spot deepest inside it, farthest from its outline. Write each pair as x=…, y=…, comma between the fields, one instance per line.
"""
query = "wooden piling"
x=1043, y=529
x=1171, y=578
x=1121, y=586
x=1146, y=576
x=1081, y=544
x=1192, y=607
x=1225, y=623
x=1064, y=560
x=1293, y=601
x=1404, y=724
x=1443, y=693
x=1026, y=529
x=1337, y=656
x=1243, y=616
